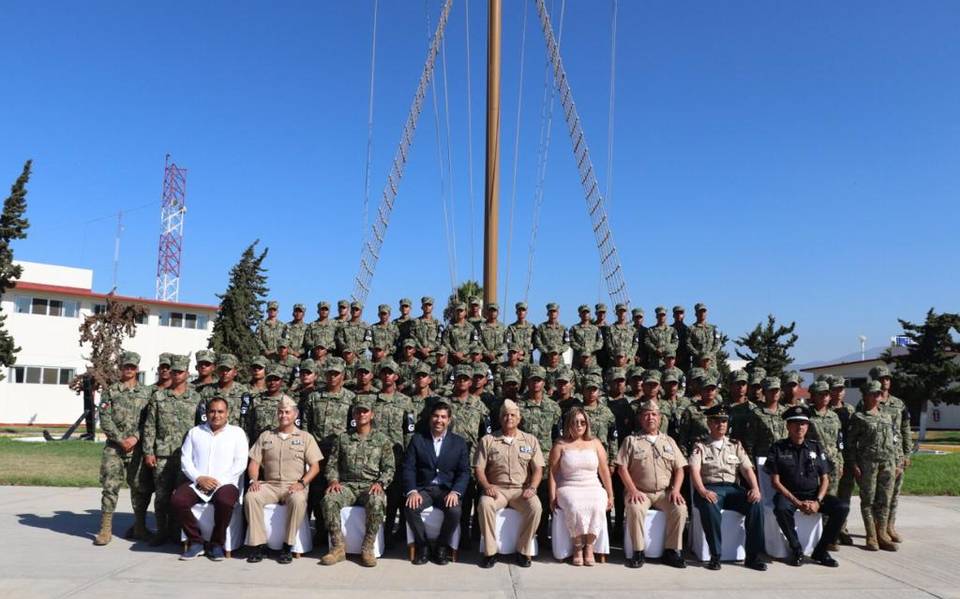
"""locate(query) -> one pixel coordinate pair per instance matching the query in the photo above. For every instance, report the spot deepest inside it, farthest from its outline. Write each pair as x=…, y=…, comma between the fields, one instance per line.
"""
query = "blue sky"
x=798, y=159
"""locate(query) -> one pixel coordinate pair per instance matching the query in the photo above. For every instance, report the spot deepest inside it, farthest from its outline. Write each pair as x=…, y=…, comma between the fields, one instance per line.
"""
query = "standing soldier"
x=263, y=417
x=384, y=333
x=122, y=413
x=683, y=331
x=353, y=333
x=171, y=414
x=641, y=330
x=286, y=364
x=396, y=420
x=894, y=407
x=790, y=383
x=297, y=332
x=343, y=314
x=550, y=333
x=206, y=376
x=845, y=412
x=738, y=406
x=163, y=373
x=258, y=375
x=492, y=337
x=755, y=388
x=585, y=337
x=236, y=394
x=514, y=365
x=672, y=402
x=475, y=317
x=404, y=322
x=426, y=330
x=659, y=339
x=271, y=330
x=621, y=336
x=520, y=332
x=825, y=428
x=458, y=337
x=766, y=425
x=358, y=470
x=702, y=339
x=603, y=424
x=422, y=397
x=871, y=453
x=408, y=361
x=320, y=332
x=540, y=416
x=604, y=360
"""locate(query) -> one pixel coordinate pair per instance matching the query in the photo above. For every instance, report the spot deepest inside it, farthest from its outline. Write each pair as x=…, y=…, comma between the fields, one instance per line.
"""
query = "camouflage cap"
x=259, y=361
x=718, y=412
x=618, y=373
x=553, y=306
x=771, y=382
x=739, y=376
x=323, y=304
x=422, y=368
x=756, y=378
x=511, y=376
x=228, y=361
x=790, y=378
x=820, y=387
x=165, y=358
x=383, y=309
x=759, y=371
x=356, y=305
x=563, y=374
x=406, y=301
x=699, y=306
x=493, y=306
x=801, y=413
x=601, y=307
x=837, y=381
x=696, y=374
x=872, y=387
x=181, y=363
x=709, y=380
x=334, y=365
x=300, y=307
x=364, y=401
x=363, y=364
x=343, y=303
x=206, y=355
x=583, y=308
x=514, y=346
x=878, y=372
x=592, y=380
x=308, y=365
x=670, y=376
x=348, y=349
x=130, y=358
x=552, y=349
x=319, y=343
x=637, y=312
x=409, y=342
x=481, y=369
x=273, y=305
x=651, y=376
x=425, y=300
x=669, y=353
x=459, y=306
x=463, y=370
x=660, y=310
x=283, y=342
x=274, y=372
x=536, y=372
x=440, y=351
x=387, y=364
x=474, y=348
x=635, y=372
x=520, y=305
x=621, y=307
x=475, y=301
x=678, y=309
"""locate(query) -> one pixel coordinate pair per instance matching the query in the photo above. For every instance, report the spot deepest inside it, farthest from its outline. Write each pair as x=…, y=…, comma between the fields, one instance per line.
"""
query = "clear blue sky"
x=799, y=159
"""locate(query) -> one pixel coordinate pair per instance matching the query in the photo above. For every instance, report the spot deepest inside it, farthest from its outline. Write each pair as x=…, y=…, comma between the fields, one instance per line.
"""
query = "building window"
x=184, y=320
x=101, y=308
x=41, y=375
x=48, y=307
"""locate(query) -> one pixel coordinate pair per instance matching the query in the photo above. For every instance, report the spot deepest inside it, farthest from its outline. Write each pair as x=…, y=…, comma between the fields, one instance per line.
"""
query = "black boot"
x=636, y=561
x=442, y=555
x=419, y=555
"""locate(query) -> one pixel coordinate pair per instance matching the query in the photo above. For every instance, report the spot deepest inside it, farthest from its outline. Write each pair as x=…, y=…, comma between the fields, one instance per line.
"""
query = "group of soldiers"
x=401, y=366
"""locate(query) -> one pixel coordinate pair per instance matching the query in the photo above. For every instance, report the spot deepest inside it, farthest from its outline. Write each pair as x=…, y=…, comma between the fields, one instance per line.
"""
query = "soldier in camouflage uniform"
x=408, y=362
x=621, y=337
x=343, y=315
x=271, y=330
x=513, y=365
x=163, y=373
x=427, y=330
x=359, y=469
x=540, y=416
x=206, y=371
x=122, y=412
x=297, y=332
x=550, y=334
x=621, y=406
x=459, y=336
x=585, y=337
x=672, y=404
x=478, y=388
x=738, y=406
x=767, y=425
x=693, y=422
x=563, y=392
x=474, y=316
x=263, y=416
x=321, y=332
x=171, y=413
x=702, y=338
x=871, y=452
x=790, y=386
x=354, y=333
x=670, y=367
x=385, y=333
x=492, y=336
x=603, y=359
x=422, y=397
x=396, y=420
x=660, y=339
x=755, y=387
x=258, y=375
x=894, y=407
x=641, y=330
x=470, y=419
x=825, y=428
x=404, y=322
x=350, y=362
x=237, y=396
x=844, y=412
x=286, y=364
x=520, y=332
x=683, y=331
x=552, y=365
x=603, y=423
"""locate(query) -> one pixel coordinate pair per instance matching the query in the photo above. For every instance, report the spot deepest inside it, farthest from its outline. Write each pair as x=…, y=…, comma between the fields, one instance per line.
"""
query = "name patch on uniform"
x=297, y=442
x=667, y=449
x=526, y=449
x=813, y=455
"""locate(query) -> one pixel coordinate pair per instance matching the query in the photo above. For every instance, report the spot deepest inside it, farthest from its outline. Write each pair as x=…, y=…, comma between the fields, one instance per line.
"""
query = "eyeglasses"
x=579, y=423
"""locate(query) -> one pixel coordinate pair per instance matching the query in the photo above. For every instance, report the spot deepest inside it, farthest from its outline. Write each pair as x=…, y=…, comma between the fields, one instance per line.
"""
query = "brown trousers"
x=637, y=513
x=254, y=502
x=530, y=509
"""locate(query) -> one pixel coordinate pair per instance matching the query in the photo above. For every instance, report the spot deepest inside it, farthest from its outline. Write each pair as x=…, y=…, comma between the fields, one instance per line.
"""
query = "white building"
x=44, y=312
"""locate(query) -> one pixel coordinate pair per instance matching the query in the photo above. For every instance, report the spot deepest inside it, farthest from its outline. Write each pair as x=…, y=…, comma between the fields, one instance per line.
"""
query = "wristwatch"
x=300, y=480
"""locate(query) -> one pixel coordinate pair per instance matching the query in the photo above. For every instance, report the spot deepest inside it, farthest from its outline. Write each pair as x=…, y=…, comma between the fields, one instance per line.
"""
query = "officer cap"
x=388, y=364
x=837, y=381
x=493, y=306
x=481, y=369
x=648, y=406
x=820, y=387
x=300, y=307
x=699, y=306
x=553, y=306
x=601, y=307
x=383, y=309
x=872, y=387
x=409, y=342
x=406, y=301
x=364, y=365
x=343, y=304
x=425, y=300
x=363, y=402
x=334, y=365
x=323, y=304
x=287, y=403
x=583, y=308
x=206, y=355
x=618, y=373
x=356, y=305
x=463, y=370
x=791, y=378
x=563, y=374
x=718, y=411
x=227, y=361
x=536, y=372
x=670, y=376
x=739, y=376
x=165, y=359
x=637, y=312
x=801, y=413
x=422, y=368
x=274, y=372
x=259, y=361
x=670, y=353
x=273, y=305
x=678, y=309
x=771, y=382
x=660, y=310
x=620, y=307
x=651, y=375
x=181, y=363
x=878, y=372
x=635, y=372
x=511, y=376
x=509, y=406
x=475, y=301
x=520, y=305
x=592, y=380
x=131, y=358
x=308, y=365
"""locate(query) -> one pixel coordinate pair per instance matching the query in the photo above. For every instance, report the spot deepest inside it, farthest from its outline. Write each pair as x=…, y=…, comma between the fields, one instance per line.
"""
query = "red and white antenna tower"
x=172, y=209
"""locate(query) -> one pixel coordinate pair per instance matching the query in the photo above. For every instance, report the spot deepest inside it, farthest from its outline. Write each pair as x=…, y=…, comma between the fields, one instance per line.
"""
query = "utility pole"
x=491, y=203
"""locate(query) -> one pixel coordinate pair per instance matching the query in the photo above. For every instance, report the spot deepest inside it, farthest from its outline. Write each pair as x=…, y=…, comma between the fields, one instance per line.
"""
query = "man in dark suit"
x=435, y=473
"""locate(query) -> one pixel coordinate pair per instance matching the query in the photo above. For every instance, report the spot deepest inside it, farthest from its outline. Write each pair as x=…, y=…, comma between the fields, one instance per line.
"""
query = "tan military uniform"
x=283, y=459
x=651, y=466
x=507, y=462
x=721, y=465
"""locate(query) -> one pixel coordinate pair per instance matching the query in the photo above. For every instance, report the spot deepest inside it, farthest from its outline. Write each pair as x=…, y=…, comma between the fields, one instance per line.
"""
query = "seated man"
x=800, y=473
x=436, y=471
x=279, y=459
x=213, y=458
x=651, y=467
x=714, y=466
x=508, y=466
x=359, y=469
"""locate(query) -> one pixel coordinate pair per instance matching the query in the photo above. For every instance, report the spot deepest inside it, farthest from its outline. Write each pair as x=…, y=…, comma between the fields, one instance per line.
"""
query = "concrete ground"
x=47, y=552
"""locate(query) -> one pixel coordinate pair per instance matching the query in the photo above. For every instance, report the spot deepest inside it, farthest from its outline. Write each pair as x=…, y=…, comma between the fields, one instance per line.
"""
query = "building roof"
x=88, y=293
x=847, y=361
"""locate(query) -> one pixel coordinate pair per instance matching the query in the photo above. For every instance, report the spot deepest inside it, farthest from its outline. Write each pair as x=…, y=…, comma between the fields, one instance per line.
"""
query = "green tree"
x=721, y=361
x=13, y=226
x=462, y=293
x=241, y=307
x=104, y=333
x=768, y=346
x=929, y=371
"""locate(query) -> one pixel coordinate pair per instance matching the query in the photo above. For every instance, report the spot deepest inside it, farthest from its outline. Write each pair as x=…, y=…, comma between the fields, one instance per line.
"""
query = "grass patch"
x=60, y=464
x=941, y=437
x=933, y=475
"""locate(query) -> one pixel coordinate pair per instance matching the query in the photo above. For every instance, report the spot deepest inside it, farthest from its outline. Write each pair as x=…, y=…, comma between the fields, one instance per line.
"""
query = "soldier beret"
x=422, y=368
x=287, y=403
x=618, y=373
x=406, y=301
x=635, y=372
x=878, y=372
x=648, y=406
x=801, y=413
x=363, y=402
x=553, y=306
x=383, y=309
x=493, y=306
x=678, y=309
x=181, y=363
x=322, y=305
x=699, y=306
x=637, y=312
x=651, y=376
x=536, y=372
x=308, y=365
x=409, y=342
x=227, y=361
x=872, y=387
x=820, y=387
x=425, y=300
x=660, y=310
x=718, y=411
x=300, y=307
x=521, y=305
x=129, y=358
x=165, y=359
x=583, y=308
x=837, y=381
x=273, y=305
x=620, y=307
x=259, y=361
x=463, y=370
x=356, y=305
x=511, y=376
x=475, y=301
x=600, y=307
x=205, y=355
x=791, y=378
x=481, y=369
x=274, y=372
x=388, y=364
x=334, y=365
x=670, y=376
x=739, y=376
x=771, y=382
x=343, y=303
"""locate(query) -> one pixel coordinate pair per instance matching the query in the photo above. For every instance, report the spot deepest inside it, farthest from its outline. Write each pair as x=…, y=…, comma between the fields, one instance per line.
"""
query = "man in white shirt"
x=213, y=458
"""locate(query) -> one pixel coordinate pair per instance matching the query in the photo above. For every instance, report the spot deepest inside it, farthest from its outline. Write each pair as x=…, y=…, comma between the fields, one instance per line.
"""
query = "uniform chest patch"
x=297, y=442
x=526, y=449
x=813, y=455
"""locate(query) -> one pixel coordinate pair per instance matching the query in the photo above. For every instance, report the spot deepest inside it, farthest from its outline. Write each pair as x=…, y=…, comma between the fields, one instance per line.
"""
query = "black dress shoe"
x=285, y=556
x=713, y=564
x=487, y=561
x=441, y=555
x=823, y=558
x=795, y=558
x=754, y=563
x=523, y=561
x=636, y=561
x=672, y=557
x=256, y=555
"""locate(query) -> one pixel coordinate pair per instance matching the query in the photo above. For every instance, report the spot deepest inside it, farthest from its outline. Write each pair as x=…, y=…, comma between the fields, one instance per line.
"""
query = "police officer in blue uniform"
x=799, y=470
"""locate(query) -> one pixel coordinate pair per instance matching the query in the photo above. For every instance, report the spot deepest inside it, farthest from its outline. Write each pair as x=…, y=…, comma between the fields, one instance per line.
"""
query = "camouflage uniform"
x=263, y=415
x=872, y=446
x=239, y=400
x=702, y=340
x=384, y=336
x=427, y=333
x=621, y=339
x=353, y=334
x=320, y=333
x=288, y=368
x=540, y=420
x=825, y=427
x=269, y=335
x=122, y=414
x=467, y=419
x=296, y=337
x=693, y=426
x=603, y=425
x=357, y=462
x=326, y=414
x=493, y=339
x=547, y=336
x=660, y=339
x=458, y=337
x=763, y=430
x=740, y=415
x=521, y=334
x=671, y=413
x=585, y=339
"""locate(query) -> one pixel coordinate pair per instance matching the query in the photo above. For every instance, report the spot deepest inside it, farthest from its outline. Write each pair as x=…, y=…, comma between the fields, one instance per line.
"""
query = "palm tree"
x=463, y=293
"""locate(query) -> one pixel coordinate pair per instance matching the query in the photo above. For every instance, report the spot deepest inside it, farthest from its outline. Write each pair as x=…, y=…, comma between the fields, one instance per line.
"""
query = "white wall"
x=52, y=274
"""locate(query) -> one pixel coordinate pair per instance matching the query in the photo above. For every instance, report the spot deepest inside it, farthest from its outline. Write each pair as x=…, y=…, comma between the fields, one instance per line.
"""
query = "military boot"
x=844, y=537
x=367, y=557
x=871, y=528
x=338, y=549
x=163, y=526
x=892, y=530
x=883, y=539
x=106, y=529
x=139, y=530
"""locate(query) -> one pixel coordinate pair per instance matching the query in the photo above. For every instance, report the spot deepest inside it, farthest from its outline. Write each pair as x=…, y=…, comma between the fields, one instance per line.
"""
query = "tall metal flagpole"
x=491, y=205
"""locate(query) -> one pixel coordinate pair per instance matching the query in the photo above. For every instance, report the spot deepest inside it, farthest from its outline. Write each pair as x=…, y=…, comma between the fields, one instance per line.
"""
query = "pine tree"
x=769, y=346
x=13, y=226
x=722, y=357
x=241, y=307
x=105, y=332
x=929, y=371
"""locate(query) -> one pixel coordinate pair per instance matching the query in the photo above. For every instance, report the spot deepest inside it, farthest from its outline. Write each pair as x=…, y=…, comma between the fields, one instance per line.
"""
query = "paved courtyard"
x=47, y=552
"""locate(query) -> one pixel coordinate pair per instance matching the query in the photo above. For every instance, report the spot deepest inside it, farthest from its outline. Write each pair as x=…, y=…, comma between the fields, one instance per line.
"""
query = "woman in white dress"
x=578, y=465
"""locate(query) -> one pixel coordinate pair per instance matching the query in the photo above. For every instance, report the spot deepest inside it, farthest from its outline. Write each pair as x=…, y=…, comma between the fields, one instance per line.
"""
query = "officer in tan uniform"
x=508, y=467
x=651, y=467
x=278, y=474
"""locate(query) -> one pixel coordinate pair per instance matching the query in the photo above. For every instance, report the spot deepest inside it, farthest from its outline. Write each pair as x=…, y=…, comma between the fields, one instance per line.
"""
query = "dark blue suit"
x=433, y=477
